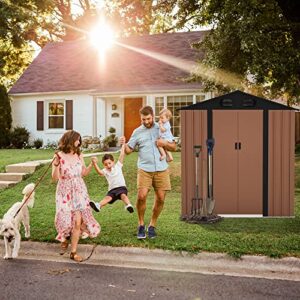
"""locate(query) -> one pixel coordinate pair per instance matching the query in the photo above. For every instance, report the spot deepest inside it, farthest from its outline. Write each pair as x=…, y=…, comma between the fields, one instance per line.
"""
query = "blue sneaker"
x=151, y=232
x=141, y=232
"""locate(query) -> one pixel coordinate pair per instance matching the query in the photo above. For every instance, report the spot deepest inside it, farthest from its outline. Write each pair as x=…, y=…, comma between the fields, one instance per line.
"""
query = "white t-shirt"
x=115, y=177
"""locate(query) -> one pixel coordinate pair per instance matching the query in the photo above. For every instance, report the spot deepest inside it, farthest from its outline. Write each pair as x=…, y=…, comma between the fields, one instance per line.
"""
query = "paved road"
x=32, y=279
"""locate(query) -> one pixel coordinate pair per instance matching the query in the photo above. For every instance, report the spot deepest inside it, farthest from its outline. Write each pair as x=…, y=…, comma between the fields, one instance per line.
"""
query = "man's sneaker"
x=151, y=232
x=95, y=206
x=141, y=232
x=129, y=208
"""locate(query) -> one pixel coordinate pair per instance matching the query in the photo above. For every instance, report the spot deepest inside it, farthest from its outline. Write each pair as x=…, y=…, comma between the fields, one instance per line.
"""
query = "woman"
x=73, y=214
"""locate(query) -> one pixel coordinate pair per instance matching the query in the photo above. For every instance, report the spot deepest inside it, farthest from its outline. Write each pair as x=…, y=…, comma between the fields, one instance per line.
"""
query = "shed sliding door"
x=237, y=162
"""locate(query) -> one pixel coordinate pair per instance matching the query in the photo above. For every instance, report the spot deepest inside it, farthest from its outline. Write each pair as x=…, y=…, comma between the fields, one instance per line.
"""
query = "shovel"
x=210, y=202
x=196, y=201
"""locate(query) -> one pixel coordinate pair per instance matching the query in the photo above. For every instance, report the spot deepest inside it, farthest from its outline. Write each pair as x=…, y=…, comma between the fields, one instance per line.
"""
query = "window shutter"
x=40, y=115
x=69, y=114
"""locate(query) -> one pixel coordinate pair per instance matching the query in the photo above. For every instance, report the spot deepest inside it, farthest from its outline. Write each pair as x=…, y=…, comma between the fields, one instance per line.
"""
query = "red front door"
x=132, y=117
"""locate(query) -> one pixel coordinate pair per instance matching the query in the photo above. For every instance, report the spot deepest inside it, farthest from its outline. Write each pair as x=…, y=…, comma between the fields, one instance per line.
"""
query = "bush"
x=51, y=145
x=5, y=117
x=19, y=137
x=38, y=143
x=112, y=139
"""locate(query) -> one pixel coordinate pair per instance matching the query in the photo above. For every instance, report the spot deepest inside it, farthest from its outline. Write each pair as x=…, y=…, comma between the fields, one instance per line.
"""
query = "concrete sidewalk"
x=204, y=263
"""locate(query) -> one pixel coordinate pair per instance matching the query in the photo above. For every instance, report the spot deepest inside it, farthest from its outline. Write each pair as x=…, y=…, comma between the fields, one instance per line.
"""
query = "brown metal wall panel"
x=183, y=118
x=281, y=159
x=292, y=163
x=194, y=132
x=271, y=165
x=225, y=162
x=250, y=161
x=285, y=144
x=188, y=163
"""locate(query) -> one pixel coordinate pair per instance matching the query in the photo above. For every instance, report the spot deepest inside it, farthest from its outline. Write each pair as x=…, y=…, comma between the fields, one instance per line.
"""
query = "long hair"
x=67, y=141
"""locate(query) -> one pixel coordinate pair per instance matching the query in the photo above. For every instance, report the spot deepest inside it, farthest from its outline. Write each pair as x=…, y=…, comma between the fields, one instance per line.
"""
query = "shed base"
x=197, y=219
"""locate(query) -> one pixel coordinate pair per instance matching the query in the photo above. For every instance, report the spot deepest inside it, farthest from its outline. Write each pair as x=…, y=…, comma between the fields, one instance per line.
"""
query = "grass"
x=274, y=237
x=14, y=156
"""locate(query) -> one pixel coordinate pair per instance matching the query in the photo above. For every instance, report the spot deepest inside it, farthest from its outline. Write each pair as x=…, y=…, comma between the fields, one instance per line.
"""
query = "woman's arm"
x=85, y=170
x=55, y=167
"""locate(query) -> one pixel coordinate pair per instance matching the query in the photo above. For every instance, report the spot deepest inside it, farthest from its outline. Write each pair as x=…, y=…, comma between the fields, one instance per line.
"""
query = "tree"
x=5, y=117
x=256, y=39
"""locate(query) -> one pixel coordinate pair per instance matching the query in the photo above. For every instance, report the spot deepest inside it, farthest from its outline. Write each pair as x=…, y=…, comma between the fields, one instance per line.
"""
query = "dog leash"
x=36, y=185
x=93, y=249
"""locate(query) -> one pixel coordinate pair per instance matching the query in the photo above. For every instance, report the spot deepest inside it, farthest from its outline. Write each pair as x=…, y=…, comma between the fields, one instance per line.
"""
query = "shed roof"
x=237, y=100
x=75, y=65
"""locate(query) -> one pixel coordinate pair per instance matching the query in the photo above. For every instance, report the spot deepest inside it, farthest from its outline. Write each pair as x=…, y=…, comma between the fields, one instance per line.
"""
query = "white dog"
x=10, y=226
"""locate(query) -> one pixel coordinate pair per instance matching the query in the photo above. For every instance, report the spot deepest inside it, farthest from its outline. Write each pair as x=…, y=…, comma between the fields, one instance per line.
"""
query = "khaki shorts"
x=158, y=180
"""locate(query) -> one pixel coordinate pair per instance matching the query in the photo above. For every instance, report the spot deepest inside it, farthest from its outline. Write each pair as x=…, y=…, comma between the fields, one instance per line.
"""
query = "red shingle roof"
x=71, y=66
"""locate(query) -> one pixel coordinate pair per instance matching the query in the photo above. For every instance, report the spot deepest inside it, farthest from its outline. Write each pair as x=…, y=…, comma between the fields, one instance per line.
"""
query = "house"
x=70, y=85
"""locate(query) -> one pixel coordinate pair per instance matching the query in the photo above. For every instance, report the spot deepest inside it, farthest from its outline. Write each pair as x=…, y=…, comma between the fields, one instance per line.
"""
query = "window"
x=56, y=115
x=200, y=98
x=159, y=105
x=173, y=104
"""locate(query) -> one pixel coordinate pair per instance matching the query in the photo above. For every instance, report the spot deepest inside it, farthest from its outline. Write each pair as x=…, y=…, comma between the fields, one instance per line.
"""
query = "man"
x=151, y=170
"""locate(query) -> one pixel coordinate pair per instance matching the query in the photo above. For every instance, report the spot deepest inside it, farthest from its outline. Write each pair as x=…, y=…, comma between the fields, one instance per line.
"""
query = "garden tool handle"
x=210, y=145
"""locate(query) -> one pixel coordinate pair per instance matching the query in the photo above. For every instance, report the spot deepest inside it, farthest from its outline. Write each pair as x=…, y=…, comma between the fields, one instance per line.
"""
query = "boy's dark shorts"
x=116, y=193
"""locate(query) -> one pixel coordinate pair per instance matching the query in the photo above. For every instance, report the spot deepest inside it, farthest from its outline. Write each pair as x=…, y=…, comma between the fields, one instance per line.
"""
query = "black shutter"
x=40, y=115
x=69, y=114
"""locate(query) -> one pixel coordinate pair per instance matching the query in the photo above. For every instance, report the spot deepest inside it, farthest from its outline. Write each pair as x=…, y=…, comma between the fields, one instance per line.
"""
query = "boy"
x=116, y=182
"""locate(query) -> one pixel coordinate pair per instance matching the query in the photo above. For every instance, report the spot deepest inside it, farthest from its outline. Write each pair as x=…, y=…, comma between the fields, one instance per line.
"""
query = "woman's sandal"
x=63, y=247
x=76, y=257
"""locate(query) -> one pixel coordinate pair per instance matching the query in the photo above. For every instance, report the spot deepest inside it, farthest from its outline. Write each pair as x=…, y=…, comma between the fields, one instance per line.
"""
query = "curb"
x=287, y=268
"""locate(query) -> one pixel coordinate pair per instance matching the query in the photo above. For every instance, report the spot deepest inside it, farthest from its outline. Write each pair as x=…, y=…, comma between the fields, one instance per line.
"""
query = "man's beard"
x=149, y=125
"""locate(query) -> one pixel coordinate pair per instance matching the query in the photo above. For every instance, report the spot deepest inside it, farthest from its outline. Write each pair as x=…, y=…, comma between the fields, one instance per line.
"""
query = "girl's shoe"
x=84, y=235
x=74, y=256
x=63, y=247
x=129, y=208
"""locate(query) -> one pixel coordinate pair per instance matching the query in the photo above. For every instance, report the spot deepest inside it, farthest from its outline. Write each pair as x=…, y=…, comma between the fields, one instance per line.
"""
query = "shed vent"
x=226, y=102
x=249, y=102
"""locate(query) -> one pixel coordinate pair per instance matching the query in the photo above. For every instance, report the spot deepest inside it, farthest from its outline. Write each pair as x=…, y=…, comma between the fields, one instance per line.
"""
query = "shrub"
x=19, y=137
x=38, y=143
x=5, y=117
x=112, y=139
x=51, y=145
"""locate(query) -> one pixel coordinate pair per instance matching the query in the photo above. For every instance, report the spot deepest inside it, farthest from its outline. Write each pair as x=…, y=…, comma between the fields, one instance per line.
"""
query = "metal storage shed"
x=253, y=155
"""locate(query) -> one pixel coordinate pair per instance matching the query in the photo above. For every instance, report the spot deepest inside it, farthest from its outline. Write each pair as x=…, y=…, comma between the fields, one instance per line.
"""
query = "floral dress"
x=71, y=196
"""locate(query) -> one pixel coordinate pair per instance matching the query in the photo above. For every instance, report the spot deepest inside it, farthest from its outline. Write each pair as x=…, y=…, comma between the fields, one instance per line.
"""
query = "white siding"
x=24, y=114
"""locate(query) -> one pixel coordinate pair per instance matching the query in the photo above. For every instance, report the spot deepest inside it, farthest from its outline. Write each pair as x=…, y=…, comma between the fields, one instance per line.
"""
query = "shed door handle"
x=236, y=146
x=240, y=146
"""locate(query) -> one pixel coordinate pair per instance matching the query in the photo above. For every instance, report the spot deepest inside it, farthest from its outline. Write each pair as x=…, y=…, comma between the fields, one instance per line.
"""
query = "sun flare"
x=102, y=37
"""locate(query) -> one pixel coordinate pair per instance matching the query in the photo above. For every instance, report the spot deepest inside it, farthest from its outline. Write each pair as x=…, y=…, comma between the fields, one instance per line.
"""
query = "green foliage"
x=257, y=40
x=111, y=140
x=19, y=137
x=38, y=143
x=5, y=117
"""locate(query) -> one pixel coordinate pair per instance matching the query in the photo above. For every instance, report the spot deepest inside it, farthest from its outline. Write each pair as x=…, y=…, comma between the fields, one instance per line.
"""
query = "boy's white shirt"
x=115, y=177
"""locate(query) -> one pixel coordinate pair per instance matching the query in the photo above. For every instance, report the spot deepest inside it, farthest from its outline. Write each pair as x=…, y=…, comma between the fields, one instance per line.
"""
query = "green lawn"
x=274, y=237
x=14, y=156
